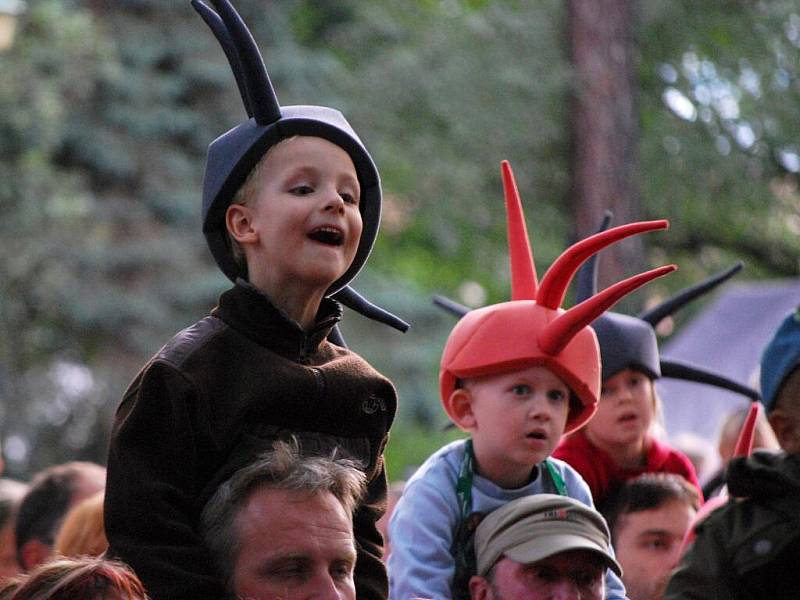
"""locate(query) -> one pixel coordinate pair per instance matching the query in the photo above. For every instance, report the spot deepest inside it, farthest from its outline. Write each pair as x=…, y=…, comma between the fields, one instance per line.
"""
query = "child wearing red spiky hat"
x=515, y=376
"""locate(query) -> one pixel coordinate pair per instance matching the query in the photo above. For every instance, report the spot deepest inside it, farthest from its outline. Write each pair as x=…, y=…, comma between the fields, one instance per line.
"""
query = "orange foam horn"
x=523, y=269
x=558, y=276
x=564, y=327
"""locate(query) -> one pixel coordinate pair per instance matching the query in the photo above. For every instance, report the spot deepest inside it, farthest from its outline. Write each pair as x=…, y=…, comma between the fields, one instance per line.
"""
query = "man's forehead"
x=670, y=516
x=288, y=514
x=277, y=526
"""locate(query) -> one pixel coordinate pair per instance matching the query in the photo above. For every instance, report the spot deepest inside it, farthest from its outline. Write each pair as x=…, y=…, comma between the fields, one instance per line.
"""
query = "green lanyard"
x=464, y=483
x=558, y=481
x=466, y=473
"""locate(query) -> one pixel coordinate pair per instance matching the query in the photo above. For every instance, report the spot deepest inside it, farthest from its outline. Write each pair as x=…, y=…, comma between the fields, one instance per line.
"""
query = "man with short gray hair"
x=541, y=547
x=282, y=527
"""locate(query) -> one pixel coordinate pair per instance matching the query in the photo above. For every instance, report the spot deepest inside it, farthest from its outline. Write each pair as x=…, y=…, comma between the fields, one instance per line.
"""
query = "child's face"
x=305, y=216
x=519, y=418
x=625, y=410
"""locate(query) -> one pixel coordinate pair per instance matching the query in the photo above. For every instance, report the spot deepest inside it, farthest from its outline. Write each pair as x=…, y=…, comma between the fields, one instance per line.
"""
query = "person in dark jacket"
x=52, y=493
x=748, y=548
x=291, y=205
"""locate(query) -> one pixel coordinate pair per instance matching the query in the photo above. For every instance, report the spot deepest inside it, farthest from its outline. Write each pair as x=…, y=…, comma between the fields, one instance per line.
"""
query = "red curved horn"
x=564, y=327
x=744, y=445
x=523, y=270
x=558, y=276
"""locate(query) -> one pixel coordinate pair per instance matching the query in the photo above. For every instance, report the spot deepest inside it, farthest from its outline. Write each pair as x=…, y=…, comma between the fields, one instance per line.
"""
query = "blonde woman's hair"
x=83, y=531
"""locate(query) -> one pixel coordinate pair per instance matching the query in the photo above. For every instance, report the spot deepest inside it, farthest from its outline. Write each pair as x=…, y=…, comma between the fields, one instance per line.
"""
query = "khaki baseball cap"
x=535, y=527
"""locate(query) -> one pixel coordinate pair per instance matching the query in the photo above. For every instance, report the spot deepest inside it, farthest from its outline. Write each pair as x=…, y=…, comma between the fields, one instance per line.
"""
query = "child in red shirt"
x=618, y=443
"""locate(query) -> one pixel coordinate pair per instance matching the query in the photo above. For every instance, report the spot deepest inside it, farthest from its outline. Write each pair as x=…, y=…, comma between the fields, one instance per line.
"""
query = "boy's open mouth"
x=326, y=234
x=627, y=417
x=537, y=435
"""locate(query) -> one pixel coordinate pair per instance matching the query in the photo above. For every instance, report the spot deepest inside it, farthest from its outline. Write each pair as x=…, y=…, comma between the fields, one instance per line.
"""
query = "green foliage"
x=410, y=445
x=445, y=101
x=106, y=110
x=721, y=116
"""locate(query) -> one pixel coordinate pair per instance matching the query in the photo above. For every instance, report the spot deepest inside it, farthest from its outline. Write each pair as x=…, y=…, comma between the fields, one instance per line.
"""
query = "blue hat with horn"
x=233, y=155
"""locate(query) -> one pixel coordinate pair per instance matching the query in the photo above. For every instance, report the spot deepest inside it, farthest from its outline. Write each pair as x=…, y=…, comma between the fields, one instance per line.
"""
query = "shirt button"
x=762, y=547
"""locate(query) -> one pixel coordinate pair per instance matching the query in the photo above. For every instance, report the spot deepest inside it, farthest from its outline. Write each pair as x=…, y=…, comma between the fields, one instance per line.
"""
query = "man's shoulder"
x=765, y=475
x=749, y=533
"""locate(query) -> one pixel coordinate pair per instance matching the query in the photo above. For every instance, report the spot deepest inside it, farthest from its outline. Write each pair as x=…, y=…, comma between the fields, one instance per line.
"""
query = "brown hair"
x=646, y=492
x=87, y=578
x=245, y=196
x=282, y=468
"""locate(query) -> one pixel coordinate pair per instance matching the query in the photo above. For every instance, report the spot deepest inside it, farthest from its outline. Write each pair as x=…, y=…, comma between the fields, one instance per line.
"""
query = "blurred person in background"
x=648, y=518
x=85, y=578
x=11, y=494
x=52, y=493
x=764, y=439
x=700, y=451
x=748, y=548
x=83, y=532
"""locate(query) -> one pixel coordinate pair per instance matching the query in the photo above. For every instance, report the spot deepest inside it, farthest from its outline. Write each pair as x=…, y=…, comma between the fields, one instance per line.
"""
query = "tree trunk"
x=605, y=128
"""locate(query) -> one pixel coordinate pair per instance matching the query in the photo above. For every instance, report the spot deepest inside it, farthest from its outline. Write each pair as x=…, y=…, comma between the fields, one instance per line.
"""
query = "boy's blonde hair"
x=246, y=195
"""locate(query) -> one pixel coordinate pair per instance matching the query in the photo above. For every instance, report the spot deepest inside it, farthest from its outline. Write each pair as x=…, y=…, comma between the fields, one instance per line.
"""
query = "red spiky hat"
x=532, y=329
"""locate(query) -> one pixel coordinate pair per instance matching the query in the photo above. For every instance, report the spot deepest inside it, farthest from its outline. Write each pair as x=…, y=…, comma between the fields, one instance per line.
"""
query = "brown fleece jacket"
x=209, y=402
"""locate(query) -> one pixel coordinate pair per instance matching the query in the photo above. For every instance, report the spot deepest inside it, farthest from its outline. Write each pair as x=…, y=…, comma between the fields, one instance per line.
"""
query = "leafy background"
x=107, y=107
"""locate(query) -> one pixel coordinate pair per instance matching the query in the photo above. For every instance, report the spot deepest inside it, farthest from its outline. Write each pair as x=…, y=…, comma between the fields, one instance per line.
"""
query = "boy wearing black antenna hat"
x=291, y=205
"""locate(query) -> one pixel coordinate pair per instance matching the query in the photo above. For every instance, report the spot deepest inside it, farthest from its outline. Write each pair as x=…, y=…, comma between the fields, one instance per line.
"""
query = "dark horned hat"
x=630, y=341
x=233, y=155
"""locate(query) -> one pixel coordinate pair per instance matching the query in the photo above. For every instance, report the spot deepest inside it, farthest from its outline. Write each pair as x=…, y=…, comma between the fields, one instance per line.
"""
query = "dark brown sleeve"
x=152, y=465
x=371, y=580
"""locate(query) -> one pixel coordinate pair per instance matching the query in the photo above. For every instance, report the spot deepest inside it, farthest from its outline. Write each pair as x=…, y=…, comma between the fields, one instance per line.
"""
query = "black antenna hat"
x=233, y=155
x=630, y=341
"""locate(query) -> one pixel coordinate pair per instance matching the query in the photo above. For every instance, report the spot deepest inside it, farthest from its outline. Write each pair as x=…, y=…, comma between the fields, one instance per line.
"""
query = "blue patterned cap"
x=780, y=358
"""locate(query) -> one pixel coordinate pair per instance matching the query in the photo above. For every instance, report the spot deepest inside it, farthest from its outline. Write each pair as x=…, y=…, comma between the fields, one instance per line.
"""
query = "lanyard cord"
x=466, y=474
x=555, y=476
x=464, y=483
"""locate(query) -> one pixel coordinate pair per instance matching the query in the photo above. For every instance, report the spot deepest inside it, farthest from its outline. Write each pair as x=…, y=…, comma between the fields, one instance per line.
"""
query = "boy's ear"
x=459, y=408
x=238, y=220
x=479, y=588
